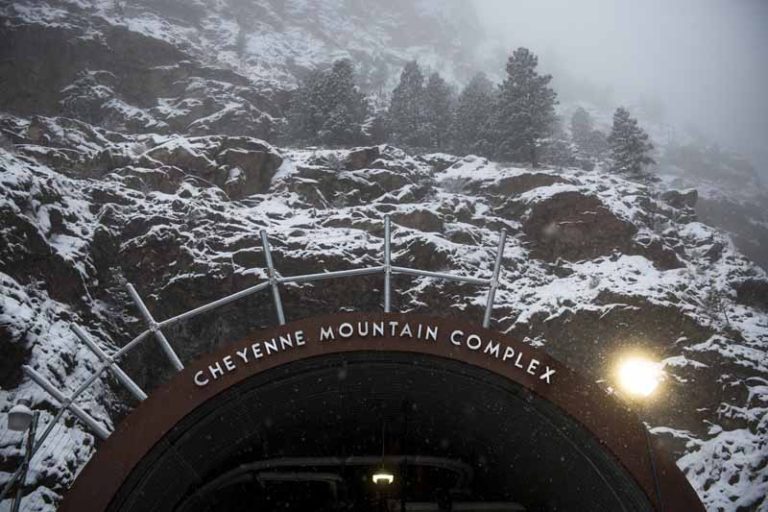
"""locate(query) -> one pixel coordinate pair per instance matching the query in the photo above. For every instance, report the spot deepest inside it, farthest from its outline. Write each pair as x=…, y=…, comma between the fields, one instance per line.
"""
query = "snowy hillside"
x=275, y=42
x=594, y=264
x=137, y=145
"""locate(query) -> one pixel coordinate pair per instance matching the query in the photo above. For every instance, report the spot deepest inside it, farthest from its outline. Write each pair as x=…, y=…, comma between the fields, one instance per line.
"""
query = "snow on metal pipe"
x=213, y=305
x=9, y=484
x=387, y=264
x=273, y=281
x=123, y=377
x=494, y=279
x=154, y=328
x=438, y=275
x=131, y=345
x=331, y=275
x=67, y=402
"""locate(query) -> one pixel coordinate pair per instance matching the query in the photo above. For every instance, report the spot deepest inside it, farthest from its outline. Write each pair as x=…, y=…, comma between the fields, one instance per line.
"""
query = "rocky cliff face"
x=594, y=265
x=129, y=154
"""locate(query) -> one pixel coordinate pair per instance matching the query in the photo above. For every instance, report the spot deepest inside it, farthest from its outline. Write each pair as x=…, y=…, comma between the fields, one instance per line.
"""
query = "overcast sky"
x=707, y=60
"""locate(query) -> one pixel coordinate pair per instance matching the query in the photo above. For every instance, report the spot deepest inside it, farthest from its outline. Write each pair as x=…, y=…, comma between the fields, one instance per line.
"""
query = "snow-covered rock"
x=71, y=240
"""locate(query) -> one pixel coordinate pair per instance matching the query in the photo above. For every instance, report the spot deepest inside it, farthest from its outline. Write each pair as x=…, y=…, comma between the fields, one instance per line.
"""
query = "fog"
x=703, y=60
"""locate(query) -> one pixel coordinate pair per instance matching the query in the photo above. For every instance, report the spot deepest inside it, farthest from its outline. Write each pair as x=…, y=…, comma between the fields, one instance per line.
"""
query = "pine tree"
x=581, y=127
x=406, y=109
x=328, y=108
x=473, y=110
x=438, y=111
x=630, y=145
x=590, y=142
x=557, y=149
x=303, y=116
x=343, y=107
x=525, y=110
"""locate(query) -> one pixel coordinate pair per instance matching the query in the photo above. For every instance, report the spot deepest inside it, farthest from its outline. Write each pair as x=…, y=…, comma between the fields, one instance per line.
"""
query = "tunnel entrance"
x=309, y=436
x=453, y=429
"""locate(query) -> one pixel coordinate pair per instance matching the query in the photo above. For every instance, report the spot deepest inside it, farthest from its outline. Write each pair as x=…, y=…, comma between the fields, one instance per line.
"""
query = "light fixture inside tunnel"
x=639, y=376
x=383, y=476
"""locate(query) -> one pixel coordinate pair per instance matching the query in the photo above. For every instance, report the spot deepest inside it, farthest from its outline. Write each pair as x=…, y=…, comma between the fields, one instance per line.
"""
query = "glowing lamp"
x=639, y=376
x=382, y=476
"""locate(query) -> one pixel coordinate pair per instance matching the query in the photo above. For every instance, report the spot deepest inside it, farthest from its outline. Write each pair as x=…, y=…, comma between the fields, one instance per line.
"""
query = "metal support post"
x=387, y=264
x=273, y=280
x=66, y=403
x=109, y=361
x=28, y=452
x=154, y=327
x=494, y=284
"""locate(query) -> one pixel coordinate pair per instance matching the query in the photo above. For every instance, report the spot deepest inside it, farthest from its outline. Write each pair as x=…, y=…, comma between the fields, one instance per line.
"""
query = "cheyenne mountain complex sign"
x=367, y=330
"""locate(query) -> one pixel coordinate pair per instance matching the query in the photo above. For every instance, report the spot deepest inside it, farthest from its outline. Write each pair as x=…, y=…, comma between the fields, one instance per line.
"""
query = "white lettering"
x=508, y=352
x=216, y=371
x=299, y=335
x=474, y=342
x=286, y=340
x=243, y=354
x=346, y=330
x=326, y=333
x=432, y=333
x=200, y=379
x=532, y=366
x=547, y=374
x=453, y=337
x=492, y=348
x=229, y=364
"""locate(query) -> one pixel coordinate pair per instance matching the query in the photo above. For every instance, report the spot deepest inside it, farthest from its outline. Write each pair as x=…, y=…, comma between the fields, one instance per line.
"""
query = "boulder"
x=361, y=158
x=164, y=179
x=662, y=256
x=574, y=226
x=421, y=219
x=183, y=156
x=256, y=171
x=753, y=292
x=521, y=183
x=680, y=200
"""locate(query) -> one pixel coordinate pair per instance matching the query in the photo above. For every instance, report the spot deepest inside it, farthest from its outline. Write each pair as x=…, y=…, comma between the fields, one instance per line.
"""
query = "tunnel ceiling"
x=520, y=448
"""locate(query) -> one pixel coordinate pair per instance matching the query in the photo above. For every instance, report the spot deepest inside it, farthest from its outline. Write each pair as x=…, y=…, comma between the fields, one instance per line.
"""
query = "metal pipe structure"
x=273, y=281
x=154, y=328
x=131, y=345
x=213, y=305
x=10, y=483
x=439, y=275
x=331, y=275
x=24, y=469
x=124, y=379
x=387, y=264
x=495, y=279
x=67, y=403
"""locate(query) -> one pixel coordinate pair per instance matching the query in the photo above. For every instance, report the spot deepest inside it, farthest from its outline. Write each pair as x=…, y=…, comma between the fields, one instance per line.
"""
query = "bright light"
x=639, y=376
x=383, y=477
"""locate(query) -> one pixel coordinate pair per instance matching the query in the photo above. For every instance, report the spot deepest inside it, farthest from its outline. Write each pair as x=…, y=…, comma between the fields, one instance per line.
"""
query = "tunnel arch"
x=514, y=412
